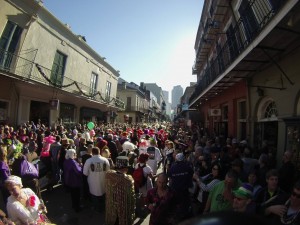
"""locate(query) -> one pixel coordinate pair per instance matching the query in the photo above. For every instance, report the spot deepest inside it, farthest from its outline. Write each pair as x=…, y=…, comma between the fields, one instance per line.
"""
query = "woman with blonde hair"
x=106, y=154
x=169, y=150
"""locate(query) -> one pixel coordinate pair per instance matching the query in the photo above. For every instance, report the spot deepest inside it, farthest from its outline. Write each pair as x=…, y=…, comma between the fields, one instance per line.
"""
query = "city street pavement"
x=60, y=212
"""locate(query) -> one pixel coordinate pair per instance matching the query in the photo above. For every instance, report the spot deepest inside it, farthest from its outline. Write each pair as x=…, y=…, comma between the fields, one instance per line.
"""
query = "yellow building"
x=49, y=73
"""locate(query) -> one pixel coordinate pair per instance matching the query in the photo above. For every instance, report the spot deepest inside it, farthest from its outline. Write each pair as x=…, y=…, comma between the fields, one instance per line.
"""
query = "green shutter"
x=58, y=69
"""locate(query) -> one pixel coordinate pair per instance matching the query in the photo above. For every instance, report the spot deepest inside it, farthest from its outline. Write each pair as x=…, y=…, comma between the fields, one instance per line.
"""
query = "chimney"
x=124, y=85
x=142, y=85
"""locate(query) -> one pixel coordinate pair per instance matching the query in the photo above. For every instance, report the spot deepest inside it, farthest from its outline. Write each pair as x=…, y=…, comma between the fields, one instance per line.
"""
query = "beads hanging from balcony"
x=106, y=100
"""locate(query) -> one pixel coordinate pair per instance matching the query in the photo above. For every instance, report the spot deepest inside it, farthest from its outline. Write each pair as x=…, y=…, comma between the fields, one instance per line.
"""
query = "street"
x=60, y=212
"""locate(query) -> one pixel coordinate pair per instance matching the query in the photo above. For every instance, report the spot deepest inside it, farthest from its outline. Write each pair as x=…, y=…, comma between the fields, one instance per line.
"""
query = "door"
x=39, y=111
x=8, y=43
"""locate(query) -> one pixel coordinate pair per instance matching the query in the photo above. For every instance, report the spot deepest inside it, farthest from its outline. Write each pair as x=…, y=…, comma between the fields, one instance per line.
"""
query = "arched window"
x=267, y=110
x=271, y=111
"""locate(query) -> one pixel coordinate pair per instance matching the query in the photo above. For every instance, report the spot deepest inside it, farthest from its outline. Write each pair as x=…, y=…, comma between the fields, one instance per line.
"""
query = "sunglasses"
x=295, y=194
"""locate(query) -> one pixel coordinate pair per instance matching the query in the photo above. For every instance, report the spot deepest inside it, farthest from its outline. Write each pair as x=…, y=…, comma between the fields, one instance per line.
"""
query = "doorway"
x=39, y=110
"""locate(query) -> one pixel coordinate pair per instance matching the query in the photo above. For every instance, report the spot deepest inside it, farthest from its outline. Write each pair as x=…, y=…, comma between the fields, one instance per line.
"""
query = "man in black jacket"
x=287, y=172
x=112, y=147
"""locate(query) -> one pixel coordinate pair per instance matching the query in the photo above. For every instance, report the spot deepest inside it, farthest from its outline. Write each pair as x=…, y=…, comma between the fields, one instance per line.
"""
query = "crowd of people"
x=125, y=170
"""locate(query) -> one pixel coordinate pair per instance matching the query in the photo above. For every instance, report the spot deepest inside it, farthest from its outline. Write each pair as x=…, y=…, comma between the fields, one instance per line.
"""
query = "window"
x=108, y=90
x=225, y=113
x=67, y=113
x=128, y=104
x=93, y=84
x=249, y=20
x=137, y=103
x=232, y=42
x=58, y=69
x=271, y=110
x=8, y=43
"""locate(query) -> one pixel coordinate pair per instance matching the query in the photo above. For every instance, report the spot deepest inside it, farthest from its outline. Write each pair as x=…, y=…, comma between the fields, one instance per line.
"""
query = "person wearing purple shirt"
x=73, y=178
x=4, y=173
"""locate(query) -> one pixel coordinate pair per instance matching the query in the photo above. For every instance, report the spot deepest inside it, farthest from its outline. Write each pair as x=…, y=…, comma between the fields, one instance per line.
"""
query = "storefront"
x=39, y=111
x=90, y=114
x=67, y=114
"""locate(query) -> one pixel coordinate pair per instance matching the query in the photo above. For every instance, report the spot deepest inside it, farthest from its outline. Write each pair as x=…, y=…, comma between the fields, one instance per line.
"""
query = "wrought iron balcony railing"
x=136, y=109
x=22, y=68
x=254, y=17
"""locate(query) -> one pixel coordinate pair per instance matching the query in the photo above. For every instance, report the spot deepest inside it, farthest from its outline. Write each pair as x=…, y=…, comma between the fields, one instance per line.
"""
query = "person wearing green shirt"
x=221, y=196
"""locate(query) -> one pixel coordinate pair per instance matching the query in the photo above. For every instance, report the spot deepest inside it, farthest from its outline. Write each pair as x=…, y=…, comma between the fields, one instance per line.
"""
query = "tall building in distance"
x=167, y=101
x=177, y=93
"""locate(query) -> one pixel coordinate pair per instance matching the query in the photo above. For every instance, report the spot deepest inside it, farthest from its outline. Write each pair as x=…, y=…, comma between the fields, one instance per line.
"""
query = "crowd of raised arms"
x=186, y=172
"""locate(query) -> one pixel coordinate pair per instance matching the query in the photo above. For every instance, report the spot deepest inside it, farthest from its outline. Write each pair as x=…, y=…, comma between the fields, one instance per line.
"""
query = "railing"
x=136, y=109
x=21, y=67
x=254, y=16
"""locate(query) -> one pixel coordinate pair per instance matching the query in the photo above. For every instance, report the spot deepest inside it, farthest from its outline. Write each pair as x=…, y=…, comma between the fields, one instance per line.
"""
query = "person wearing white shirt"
x=154, y=156
x=95, y=169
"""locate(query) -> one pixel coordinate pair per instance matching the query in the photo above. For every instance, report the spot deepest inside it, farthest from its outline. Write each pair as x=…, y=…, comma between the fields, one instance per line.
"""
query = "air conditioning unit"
x=215, y=112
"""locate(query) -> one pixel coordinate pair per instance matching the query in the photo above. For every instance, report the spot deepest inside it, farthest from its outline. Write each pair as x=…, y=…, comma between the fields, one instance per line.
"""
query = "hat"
x=179, y=157
x=102, y=143
x=128, y=146
x=244, y=191
x=143, y=157
x=122, y=162
x=15, y=180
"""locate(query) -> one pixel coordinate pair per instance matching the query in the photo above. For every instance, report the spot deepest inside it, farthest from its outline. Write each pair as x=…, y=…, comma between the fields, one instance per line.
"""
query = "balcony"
x=136, y=109
x=255, y=16
x=213, y=23
x=21, y=68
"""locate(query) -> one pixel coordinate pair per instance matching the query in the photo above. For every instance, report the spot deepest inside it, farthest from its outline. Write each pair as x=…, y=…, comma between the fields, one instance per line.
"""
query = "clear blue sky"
x=147, y=41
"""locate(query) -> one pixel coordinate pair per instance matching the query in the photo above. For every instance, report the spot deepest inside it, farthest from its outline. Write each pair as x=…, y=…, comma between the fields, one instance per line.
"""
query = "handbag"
x=28, y=170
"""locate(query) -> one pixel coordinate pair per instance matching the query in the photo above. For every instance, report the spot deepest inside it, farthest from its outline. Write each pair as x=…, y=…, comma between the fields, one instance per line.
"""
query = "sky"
x=147, y=41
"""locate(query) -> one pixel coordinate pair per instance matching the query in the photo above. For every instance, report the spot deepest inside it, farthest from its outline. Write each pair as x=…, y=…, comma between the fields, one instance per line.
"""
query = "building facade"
x=186, y=117
x=247, y=78
x=177, y=93
x=137, y=103
x=161, y=101
x=48, y=73
x=168, y=104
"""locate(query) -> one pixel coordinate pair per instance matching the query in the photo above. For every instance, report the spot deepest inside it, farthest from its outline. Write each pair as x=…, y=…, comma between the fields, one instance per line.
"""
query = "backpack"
x=138, y=176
